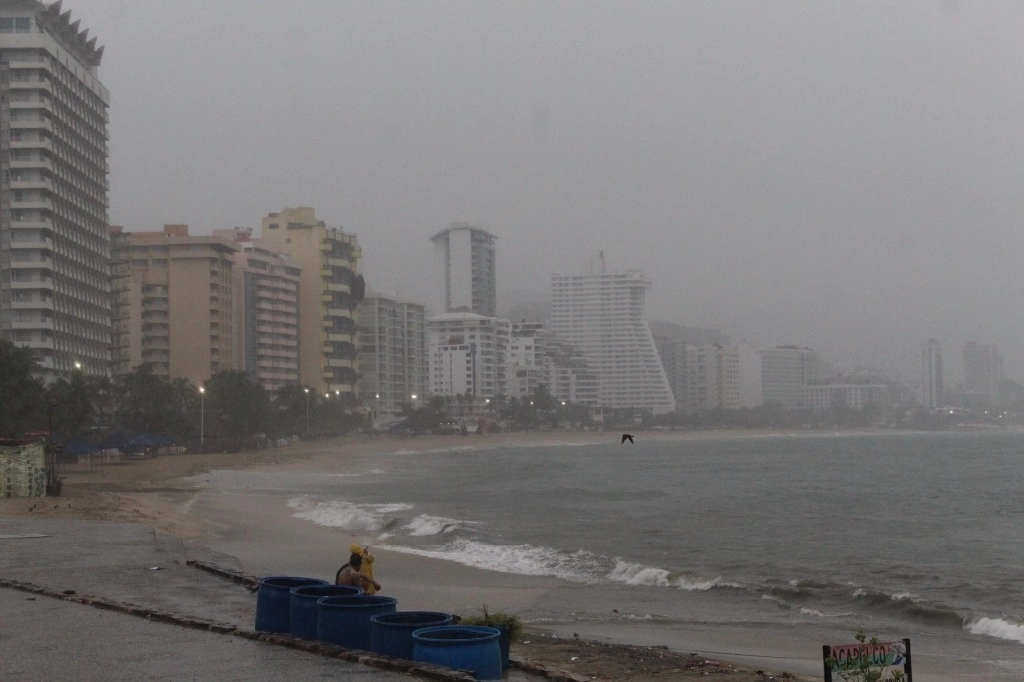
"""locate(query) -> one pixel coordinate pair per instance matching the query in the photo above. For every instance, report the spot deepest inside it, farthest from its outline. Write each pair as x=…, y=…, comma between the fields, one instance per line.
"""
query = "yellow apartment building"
x=329, y=292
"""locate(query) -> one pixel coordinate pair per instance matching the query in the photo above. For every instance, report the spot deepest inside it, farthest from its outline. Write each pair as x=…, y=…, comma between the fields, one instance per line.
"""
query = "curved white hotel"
x=602, y=315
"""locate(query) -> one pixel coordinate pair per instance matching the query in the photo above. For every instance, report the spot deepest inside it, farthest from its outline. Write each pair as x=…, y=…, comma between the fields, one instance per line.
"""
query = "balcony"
x=32, y=324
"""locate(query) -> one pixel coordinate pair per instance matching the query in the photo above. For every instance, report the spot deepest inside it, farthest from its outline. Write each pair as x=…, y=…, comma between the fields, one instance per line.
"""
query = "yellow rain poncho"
x=367, y=568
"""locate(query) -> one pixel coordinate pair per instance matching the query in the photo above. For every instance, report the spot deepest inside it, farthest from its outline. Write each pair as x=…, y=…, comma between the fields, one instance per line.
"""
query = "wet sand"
x=264, y=541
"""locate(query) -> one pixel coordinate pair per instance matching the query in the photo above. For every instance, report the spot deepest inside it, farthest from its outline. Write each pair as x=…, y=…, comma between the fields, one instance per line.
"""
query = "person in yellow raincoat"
x=367, y=568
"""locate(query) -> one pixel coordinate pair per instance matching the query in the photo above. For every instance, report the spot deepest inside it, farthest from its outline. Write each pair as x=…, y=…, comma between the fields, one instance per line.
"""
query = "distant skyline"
x=842, y=176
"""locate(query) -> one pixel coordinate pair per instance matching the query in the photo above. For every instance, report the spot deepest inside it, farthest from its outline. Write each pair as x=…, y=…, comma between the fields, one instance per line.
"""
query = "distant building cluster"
x=289, y=306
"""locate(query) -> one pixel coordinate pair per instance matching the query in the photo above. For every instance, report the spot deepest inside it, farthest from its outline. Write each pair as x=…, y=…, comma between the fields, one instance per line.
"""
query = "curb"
x=417, y=669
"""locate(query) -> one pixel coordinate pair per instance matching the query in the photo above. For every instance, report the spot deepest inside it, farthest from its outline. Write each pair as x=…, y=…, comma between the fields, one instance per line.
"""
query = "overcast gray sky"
x=848, y=176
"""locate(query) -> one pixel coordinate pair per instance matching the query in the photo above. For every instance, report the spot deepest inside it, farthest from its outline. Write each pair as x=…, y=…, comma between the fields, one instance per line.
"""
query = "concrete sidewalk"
x=92, y=577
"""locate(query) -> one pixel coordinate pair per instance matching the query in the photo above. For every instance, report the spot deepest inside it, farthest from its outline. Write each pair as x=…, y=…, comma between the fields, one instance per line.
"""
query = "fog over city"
x=846, y=176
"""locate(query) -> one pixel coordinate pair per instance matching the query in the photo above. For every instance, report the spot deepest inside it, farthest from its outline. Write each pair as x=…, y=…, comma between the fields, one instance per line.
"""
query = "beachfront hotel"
x=602, y=314
x=174, y=303
x=786, y=371
x=931, y=374
x=392, y=352
x=266, y=285
x=330, y=289
x=54, y=248
x=464, y=268
x=467, y=355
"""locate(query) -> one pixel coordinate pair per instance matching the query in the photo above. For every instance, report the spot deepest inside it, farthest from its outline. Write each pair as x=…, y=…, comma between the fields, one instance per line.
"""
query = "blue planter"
x=464, y=647
x=273, y=601
x=346, y=620
x=304, y=610
x=391, y=633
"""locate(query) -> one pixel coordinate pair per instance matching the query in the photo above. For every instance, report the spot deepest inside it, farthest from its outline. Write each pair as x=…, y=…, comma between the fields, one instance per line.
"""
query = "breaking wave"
x=424, y=524
x=346, y=515
x=997, y=627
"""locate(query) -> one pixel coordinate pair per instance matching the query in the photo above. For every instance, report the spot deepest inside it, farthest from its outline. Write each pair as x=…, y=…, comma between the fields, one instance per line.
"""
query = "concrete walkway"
x=107, y=601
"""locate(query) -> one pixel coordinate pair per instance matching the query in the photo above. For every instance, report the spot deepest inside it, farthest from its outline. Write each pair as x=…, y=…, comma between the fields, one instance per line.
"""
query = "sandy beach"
x=164, y=493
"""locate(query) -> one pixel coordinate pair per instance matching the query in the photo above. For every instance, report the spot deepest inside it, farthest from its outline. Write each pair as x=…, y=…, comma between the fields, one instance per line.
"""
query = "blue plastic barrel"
x=273, y=601
x=346, y=620
x=391, y=633
x=304, y=610
x=465, y=647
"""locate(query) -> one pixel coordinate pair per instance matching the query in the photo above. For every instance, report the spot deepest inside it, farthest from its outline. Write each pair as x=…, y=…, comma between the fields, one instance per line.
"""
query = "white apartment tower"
x=602, y=314
x=465, y=270
x=55, y=293
x=931, y=374
x=392, y=352
x=467, y=355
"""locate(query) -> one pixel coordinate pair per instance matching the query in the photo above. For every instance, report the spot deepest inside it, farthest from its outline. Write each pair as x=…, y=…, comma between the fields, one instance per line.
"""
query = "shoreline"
x=154, y=492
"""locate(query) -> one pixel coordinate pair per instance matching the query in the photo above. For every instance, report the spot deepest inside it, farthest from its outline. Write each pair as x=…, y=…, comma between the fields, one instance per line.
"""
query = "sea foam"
x=997, y=627
x=424, y=524
x=580, y=566
x=340, y=514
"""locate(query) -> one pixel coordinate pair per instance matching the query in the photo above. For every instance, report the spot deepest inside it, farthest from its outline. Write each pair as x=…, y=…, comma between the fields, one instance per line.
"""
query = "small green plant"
x=868, y=666
x=497, y=619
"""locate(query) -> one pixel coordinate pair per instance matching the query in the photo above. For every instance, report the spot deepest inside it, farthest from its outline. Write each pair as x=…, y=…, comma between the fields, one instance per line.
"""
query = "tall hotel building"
x=982, y=372
x=392, y=352
x=266, y=285
x=329, y=292
x=931, y=374
x=465, y=268
x=54, y=248
x=602, y=314
x=786, y=372
x=175, y=303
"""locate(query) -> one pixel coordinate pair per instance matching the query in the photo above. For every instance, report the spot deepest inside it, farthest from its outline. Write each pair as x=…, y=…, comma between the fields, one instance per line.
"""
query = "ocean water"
x=918, y=535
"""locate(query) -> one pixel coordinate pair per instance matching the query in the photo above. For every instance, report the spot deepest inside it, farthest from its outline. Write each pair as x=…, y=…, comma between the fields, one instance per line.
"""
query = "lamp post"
x=202, y=415
x=307, y=409
x=564, y=425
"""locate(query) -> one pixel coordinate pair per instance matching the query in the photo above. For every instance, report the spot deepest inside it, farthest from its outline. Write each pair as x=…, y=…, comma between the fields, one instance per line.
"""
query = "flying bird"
x=626, y=437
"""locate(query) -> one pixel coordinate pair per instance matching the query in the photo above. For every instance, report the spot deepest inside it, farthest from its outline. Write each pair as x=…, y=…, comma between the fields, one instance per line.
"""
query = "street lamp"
x=202, y=415
x=564, y=425
x=307, y=409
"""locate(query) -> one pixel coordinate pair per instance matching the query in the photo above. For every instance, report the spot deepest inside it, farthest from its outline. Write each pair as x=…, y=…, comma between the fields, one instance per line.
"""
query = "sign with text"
x=850, y=657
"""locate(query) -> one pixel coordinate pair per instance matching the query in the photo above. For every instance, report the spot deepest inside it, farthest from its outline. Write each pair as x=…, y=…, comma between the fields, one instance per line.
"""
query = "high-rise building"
x=467, y=355
x=571, y=378
x=465, y=271
x=54, y=249
x=931, y=374
x=175, y=303
x=602, y=314
x=527, y=360
x=785, y=372
x=722, y=377
x=329, y=292
x=672, y=352
x=267, y=296
x=392, y=352
x=982, y=372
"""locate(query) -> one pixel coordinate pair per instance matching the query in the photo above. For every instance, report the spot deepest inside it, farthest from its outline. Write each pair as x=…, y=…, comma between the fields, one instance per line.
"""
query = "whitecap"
x=997, y=627
x=424, y=524
x=635, y=574
x=580, y=566
x=341, y=514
